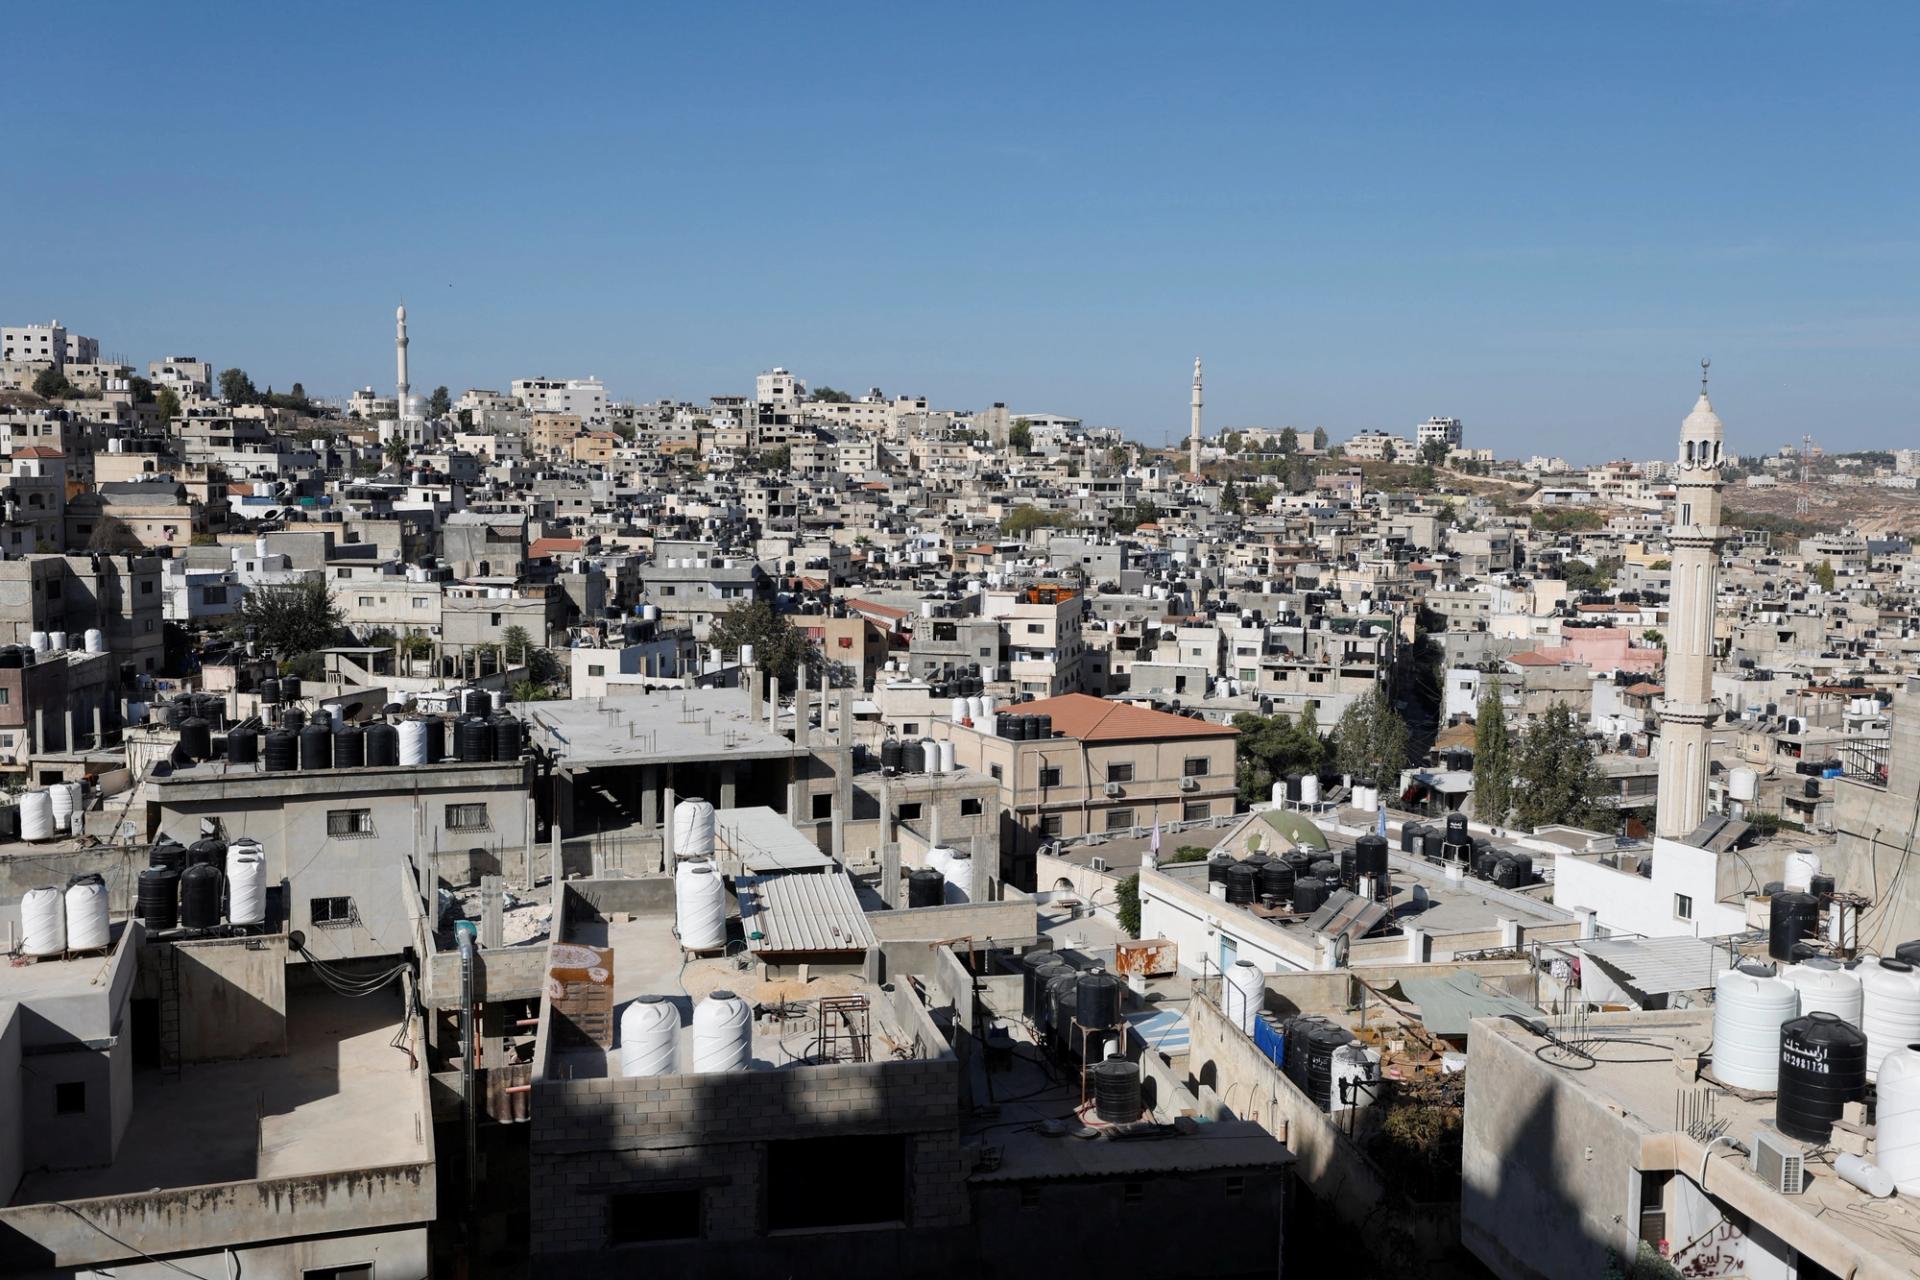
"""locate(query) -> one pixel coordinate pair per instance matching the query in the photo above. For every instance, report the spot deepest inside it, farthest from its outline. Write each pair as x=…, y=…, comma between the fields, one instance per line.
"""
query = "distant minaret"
x=400, y=356
x=1688, y=711
x=1193, y=445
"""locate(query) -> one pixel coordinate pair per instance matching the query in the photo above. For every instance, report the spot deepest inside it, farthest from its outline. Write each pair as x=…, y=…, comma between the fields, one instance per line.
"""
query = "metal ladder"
x=170, y=1015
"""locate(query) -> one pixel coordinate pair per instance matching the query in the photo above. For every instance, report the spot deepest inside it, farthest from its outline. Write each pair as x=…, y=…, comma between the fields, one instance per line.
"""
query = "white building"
x=1439, y=430
x=47, y=344
x=779, y=388
x=585, y=398
x=1379, y=446
x=187, y=376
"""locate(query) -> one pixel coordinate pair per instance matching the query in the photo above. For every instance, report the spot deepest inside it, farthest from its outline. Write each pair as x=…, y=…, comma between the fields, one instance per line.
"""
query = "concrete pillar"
x=1588, y=919
x=99, y=726
x=1416, y=946
x=981, y=890
x=649, y=794
x=802, y=714
x=890, y=872
x=845, y=712
x=1509, y=931
x=728, y=776
x=40, y=729
x=493, y=909
x=666, y=829
x=756, y=684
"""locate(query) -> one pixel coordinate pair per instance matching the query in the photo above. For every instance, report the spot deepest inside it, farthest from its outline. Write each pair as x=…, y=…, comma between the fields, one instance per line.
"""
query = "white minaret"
x=1193, y=441
x=400, y=357
x=1688, y=711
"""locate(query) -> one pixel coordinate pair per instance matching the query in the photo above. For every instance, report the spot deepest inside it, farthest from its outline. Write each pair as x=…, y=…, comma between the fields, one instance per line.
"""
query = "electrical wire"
x=123, y=1244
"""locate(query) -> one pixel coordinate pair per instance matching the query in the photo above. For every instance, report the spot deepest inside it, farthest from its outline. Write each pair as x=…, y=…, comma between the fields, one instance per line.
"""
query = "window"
x=330, y=911
x=419, y=602
x=467, y=817
x=1120, y=773
x=910, y=812
x=1051, y=825
x=366, y=602
x=642, y=1217
x=351, y=1271
x=995, y=771
x=823, y=806
x=836, y=1181
x=70, y=1098
x=970, y=806
x=909, y=729
x=1119, y=819
x=349, y=822
x=596, y=669
x=1196, y=811
x=1036, y=628
x=1682, y=907
x=1197, y=767
x=1049, y=775
x=6, y=696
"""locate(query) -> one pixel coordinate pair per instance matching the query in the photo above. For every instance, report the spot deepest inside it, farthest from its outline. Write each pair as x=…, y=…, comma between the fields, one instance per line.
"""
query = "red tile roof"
x=1090, y=719
x=543, y=547
x=880, y=610
x=38, y=451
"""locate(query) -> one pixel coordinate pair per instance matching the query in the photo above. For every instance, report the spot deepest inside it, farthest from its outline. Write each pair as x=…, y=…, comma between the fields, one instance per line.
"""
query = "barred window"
x=467, y=817
x=349, y=822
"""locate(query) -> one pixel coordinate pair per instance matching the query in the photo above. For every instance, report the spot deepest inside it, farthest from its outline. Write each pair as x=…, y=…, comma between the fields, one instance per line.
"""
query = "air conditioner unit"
x=1778, y=1162
x=1097, y=863
x=1189, y=784
x=1113, y=788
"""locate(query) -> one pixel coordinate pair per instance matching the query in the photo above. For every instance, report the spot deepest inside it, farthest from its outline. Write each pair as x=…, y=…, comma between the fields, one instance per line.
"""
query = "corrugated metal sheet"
x=802, y=912
x=1658, y=966
x=1347, y=913
x=1449, y=1004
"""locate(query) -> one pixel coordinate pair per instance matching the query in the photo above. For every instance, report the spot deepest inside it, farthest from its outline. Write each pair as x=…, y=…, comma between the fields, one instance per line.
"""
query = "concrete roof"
x=1091, y=719
x=764, y=841
x=664, y=727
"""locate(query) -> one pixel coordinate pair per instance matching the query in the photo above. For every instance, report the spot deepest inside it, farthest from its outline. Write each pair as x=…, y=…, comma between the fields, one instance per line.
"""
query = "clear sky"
x=1536, y=217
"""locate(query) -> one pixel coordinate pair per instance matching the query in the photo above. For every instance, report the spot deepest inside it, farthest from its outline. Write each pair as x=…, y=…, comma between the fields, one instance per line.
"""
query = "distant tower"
x=1688, y=711
x=400, y=356
x=1193, y=444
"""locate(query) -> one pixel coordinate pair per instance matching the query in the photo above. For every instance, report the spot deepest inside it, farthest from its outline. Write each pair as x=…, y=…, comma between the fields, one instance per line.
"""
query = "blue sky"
x=1535, y=217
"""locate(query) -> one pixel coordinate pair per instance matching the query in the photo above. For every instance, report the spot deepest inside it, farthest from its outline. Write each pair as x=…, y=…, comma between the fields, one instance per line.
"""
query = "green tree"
x=1117, y=456
x=1370, y=742
x=1422, y=480
x=778, y=459
x=113, y=535
x=1230, y=497
x=778, y=647
x=1020, y=435
x=1389, y=452
x=831, y=395
x=290, y=619
x=1555, y=777
x=395, y=451
x=51, y=384
x=439, y=404
x=236, y=387
x=517, y=647
x=1127, y=899
x=1824, y=575
x=1434, y=452
x=167, y=403
x=1143, y=512
x=1289, y=440
x=1320, y=439
x=1025, y=519
x=1598, y=576
x=1492, y=757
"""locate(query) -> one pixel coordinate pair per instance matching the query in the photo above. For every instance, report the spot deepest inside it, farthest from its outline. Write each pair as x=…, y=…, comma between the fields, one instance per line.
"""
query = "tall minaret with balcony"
x=1193, y=439
x=1688, y=711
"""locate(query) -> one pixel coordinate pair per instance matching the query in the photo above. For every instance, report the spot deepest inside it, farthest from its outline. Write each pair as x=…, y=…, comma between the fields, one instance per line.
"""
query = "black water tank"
x=1484, y=863
x=383, y=746
x=168, y=852
x=350, y=747
x=1308, y=893
x=1309, y=1054
x=1909, y=952
x=322, y=716
x=890, y=753
x=1097, y=1001
x=1410, y=833
x=270, y=690
x=1793, y=916
x=1242, y=883
x=509, y=736
x=1347, y=862
x=282, y=750
x=1822, y=888
x=199, y=897
x=1039, y=1006
x=474, y=740
x=1275, y=880
x=159, y=898
x=1522, y=869
x=1506, y=873
x=436, y=739
x=1431, y=844
x=196, y=738
x=475, y=702
x=926, y=888
x=293, y=718
x=1457, y=829
x=1324, y=868
x=243, y=746
x=316, y=747
x=210, y=852
x=1293, y=787
x=1003, y=726
x=1116, y=1091
x=1217, y=868
x=1063, y=995
x=1823, y=1066
x=1045, y=724
x=1370, y=856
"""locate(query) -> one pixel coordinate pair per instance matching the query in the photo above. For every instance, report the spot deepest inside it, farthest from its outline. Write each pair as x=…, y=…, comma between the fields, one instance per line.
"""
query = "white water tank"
x=929, y=756
x=1897, y=1139
x=43, y=922
x=498, y=700
x=1743, y=785
x=1802, y=866
x=699, y=906
x=58, y=639
x=86, y=914
x=37, y=641
x=948, y=755
x=1366, y=799
x=1243, y=995
x=36, y=815
x=650, y=613
x=413, y=742
x=1890, y=1015
x=61, y=796
x=1747, y=1012
x=1279, y=793
x=1827, y=989
x=246, y=883
x=96, y=640
x=1309, y=788
x=649, y=1037
x=693, y=829
x=985, y=717
x=958, y=872
x=722, y=1033
x=976, y=710
x=1356, y=1068
x=937, y=859
x=957, y=710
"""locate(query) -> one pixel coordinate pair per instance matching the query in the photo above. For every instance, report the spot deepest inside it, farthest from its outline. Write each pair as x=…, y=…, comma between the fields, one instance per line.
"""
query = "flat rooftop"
x=667, y=726
x=647, y=960
x=343, y=1098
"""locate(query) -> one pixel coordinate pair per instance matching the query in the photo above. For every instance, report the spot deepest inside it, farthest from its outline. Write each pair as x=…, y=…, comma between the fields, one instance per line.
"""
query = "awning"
x=1659, y=966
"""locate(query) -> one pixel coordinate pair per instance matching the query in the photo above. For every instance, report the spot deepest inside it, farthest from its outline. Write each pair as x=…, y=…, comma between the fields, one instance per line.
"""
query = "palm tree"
x=396, y=451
